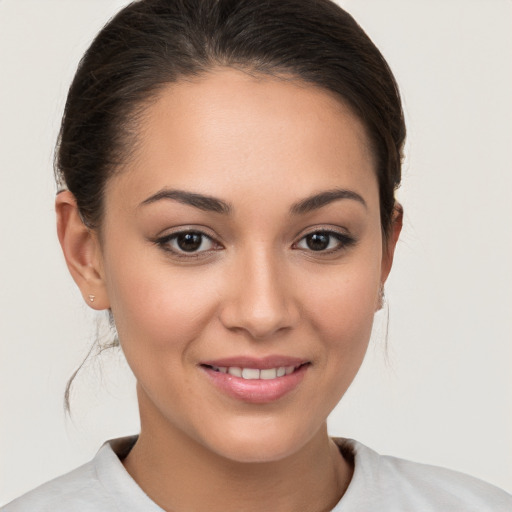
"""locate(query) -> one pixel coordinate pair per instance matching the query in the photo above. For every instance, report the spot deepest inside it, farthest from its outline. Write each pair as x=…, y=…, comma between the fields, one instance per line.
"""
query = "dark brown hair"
x=151, y=43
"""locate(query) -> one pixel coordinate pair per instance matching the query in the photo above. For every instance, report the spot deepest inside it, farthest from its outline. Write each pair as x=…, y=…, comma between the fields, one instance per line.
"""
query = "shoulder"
x=72, y=491
x=389, y=483
x=101, y=485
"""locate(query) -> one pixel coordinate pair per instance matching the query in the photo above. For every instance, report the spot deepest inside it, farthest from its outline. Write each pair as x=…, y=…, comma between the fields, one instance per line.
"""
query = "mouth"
x=256, y=381
x=255, y=373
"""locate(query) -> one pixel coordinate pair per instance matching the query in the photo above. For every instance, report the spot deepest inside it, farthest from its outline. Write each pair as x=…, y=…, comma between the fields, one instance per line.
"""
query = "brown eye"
x=318, y=241
x=189, y=242
x=325, y=241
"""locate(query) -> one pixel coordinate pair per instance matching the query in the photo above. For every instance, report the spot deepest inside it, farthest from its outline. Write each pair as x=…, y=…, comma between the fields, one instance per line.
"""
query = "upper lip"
x=260, y=363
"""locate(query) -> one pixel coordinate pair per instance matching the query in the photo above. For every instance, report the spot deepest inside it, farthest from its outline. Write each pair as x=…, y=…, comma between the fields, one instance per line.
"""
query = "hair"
x=152, y=43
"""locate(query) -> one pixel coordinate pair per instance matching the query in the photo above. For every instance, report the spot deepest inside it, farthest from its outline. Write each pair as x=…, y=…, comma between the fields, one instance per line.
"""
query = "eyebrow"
x=212, y=204
x=321, y=199
x=206, y=203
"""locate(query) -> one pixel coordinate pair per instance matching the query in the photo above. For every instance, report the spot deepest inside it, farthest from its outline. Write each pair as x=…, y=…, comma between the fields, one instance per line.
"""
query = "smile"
x=256, y=381
x=255, y=373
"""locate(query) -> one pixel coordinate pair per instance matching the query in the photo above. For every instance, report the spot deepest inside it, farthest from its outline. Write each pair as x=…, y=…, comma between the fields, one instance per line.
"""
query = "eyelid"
x=187, y=228
x=324, y=228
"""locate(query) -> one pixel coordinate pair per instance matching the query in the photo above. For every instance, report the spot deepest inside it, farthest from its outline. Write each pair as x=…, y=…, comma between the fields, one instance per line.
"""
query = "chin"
x=255, y=452
x=258, y=443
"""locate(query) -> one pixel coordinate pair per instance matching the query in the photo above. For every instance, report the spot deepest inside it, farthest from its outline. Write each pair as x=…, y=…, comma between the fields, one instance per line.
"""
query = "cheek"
x=342, y=319
x=342, y=306
x=156, y=307
x=341, y=309
x=347, y=311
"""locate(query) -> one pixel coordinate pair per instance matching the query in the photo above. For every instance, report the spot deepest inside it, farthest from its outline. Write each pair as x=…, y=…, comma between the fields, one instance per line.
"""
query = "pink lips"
x=256, y=390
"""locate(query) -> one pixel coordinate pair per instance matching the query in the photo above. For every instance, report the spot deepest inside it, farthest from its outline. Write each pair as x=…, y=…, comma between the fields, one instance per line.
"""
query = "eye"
x=187, y=242
x=324, y=241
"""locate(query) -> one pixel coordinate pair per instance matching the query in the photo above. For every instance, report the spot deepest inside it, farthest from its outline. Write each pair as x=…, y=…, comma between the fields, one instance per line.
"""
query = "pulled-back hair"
x=151, y=43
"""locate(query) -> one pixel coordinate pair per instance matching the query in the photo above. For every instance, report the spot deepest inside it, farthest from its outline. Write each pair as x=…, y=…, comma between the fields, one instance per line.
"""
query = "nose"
x=261, y=300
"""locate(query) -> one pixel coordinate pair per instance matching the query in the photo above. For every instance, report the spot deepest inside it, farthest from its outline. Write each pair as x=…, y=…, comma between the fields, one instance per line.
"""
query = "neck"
x=180, y=474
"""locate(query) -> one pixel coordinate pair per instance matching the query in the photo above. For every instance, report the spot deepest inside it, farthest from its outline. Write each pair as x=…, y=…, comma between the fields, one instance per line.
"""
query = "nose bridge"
x=262, y=301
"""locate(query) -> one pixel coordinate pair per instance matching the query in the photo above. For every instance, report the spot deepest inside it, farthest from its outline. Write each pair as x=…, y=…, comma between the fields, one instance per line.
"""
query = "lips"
x=256, y=380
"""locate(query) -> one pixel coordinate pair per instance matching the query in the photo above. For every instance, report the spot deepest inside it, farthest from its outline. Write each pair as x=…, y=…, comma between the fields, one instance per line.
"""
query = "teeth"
x=254, y=373
x=250, y=374
x=235, y=371
x=271, y=373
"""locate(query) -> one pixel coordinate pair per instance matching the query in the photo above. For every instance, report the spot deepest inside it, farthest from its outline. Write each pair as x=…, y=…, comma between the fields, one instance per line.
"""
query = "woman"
x=229, y=177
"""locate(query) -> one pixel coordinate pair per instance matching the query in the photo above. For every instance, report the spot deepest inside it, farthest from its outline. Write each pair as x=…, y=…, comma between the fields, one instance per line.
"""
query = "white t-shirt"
x=379, y=483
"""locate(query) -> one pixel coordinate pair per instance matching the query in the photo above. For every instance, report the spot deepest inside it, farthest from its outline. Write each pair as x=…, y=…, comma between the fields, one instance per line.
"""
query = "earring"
x=92, y=297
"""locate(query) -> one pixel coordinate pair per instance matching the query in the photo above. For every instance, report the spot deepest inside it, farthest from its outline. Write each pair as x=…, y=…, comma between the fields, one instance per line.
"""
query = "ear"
x=390, y=243
x=82, y=251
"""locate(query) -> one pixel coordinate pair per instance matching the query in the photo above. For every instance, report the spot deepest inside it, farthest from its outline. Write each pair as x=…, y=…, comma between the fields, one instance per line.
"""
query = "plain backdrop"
x=436, y=389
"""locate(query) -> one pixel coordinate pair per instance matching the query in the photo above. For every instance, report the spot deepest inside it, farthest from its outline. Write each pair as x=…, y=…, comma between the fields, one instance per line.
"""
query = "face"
x=242, y=258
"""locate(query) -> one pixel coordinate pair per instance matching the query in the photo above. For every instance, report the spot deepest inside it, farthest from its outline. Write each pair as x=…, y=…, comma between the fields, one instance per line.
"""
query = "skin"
x=261, y=145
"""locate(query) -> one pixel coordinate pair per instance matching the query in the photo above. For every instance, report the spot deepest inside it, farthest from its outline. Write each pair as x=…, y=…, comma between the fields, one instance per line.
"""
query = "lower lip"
x=256, y=391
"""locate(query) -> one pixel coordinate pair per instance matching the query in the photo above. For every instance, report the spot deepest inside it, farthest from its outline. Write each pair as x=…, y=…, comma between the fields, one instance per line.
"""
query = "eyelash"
x=344, y=241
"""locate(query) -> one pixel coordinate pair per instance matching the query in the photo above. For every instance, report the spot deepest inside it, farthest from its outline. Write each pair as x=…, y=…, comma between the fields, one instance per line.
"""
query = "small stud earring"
x=92, y=297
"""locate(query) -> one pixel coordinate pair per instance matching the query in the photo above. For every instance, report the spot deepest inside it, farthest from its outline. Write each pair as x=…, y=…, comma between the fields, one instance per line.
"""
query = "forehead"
x=228, y=131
